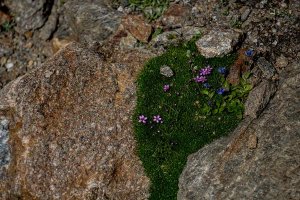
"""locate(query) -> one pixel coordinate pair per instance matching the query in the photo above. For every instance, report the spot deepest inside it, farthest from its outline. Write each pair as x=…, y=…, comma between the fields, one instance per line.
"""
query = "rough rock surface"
x=70, y=132
x=259, y=97
x=175, y=16
x=260, y=160
x=91, y=21
x=218, y=42
x=137, y=26
x=31, y=14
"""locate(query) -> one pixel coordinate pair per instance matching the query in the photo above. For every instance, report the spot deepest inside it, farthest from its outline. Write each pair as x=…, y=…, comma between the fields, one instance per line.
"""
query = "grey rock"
x=166, y=71
x=266, y=67
x=259, y=160
x=188, y=32
x=50, y=25
x=258, y=98
x=4, y=146
x=91, y=21
x=166, y=38
x=30, y=14
x=9, y=66
x=245, y=14
x=218, y=42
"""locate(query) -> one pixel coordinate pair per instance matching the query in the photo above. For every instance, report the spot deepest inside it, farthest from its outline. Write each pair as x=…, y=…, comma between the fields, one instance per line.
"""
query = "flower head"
x=249, y=53
x=205, y=71
x=200, y=79
x=157, y=119
x=206, y=85
x=222, y=70
x=220, y=91
x=166, y=88
x=142, y=119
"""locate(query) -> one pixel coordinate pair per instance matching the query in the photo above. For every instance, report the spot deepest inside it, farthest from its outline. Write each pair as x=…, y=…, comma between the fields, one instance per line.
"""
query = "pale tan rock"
x=218, y=43
x=57, y=44
x=70, y=131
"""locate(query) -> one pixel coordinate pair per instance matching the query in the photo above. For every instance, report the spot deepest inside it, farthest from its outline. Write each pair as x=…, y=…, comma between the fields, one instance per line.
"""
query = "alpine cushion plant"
x=200, y=107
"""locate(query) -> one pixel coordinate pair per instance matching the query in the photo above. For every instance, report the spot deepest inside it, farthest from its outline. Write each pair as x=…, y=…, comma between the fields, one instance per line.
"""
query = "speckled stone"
x=268, y=169
x=70, y=131
x=218, y=42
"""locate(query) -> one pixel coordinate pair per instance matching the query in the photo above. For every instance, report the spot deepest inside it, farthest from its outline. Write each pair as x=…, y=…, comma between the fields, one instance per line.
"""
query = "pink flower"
x=205, y=71
x=142, y=119
x=200, y=79
x=157, y=119
x=166, y=88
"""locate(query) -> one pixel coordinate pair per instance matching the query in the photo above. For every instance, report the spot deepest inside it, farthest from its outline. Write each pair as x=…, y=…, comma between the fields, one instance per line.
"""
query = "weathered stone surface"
x=258, y=98
x=266, y=67
x=166, y=71
x=137, y=26
x=229, y=169
x=70, y=132
x=91, y=21
x=31, y=14
x=166, y=38
x=128, y=42
x=50, y=25
x=175, y=16
x=218, y=42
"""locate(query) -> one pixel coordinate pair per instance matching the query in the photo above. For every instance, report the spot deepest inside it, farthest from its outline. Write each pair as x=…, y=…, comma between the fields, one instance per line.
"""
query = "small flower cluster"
x=201, y=78
x=156, y=118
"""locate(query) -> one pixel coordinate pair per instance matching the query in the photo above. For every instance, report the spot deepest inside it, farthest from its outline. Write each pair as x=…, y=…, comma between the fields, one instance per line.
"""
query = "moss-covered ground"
x=164, y=147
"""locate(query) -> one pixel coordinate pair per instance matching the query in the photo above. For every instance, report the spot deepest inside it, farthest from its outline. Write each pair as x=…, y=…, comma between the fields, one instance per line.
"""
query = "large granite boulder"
x=260, y=160
x=66, y=132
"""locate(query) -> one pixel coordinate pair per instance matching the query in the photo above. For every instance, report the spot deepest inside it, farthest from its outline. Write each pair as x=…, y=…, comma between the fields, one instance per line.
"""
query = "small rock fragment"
x=166, y=71
x=245, y=14
x=281, y=63
x=137, y=26
x=128, y=42
x=266, y=67
x=175, y=16
x=252, y=141
x=166, y=38
x=218, y=42
x=9, y=66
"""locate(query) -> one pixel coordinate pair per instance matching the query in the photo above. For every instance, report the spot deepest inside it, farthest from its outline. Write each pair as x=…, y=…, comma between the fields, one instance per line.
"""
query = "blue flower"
x=222, y=70
x=220, y=91
x=249, y=53
x=206, y=85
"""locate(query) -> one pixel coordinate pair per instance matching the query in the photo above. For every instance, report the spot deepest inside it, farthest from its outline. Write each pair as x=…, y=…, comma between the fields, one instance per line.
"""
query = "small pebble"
x=9, y=66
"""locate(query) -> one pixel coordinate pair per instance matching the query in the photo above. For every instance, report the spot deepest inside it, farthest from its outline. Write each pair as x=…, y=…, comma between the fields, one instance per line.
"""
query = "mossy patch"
x=164, y=147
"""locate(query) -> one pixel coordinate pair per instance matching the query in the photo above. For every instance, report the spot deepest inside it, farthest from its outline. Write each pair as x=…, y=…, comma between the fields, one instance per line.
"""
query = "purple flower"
x=205, y=71
x=157, y=119
x=222, y=70
x=142, y=119
x=200, y=79
x=220, y=91
x=249, y=53
x=206, y=85
x=166, y=88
